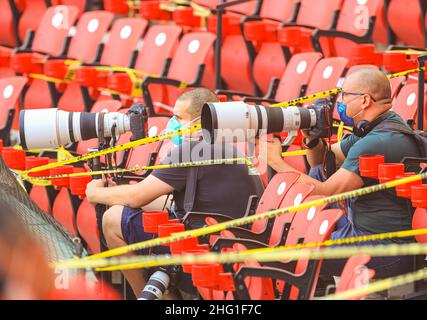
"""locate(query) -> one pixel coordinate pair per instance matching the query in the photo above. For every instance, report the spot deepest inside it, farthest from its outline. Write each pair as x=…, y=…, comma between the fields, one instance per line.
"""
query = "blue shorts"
x=133, y=232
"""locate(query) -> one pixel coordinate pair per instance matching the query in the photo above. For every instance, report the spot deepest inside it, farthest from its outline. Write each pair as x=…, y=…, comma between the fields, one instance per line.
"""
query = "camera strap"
x=190, y=189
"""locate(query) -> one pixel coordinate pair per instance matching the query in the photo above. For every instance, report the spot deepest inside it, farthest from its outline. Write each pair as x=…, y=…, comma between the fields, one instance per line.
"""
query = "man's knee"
x=111, y=221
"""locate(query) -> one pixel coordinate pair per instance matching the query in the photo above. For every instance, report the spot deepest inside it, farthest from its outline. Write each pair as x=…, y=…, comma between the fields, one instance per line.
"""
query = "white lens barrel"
x=39, y=128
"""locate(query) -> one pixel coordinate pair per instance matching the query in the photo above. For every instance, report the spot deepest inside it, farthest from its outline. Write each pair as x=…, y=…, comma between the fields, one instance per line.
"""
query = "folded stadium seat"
x=10, y=91
x=309, y=226
x=32, y=14
x=191, y=66
x=87, y=226
x=154, y=58
x=355, y=274
x=327, y=74
x=406, y=20
x=352, y=37
x=116, y=6
x=48, y=40
x=43, y=197
x=272, y=197
x=83, y=46
x=119, y=50
x=146, y=155
x=64, y=210
x=406, y=104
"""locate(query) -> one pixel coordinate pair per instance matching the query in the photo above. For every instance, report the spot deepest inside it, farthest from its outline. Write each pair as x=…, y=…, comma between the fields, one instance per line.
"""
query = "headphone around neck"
x=363, y=127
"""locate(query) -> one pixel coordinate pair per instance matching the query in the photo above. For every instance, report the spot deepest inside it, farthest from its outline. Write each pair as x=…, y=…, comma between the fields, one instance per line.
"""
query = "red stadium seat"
x=352, y=37
x=405, y=19
x=192, y=65
x=40, y=196
x=89, y=33
x=406, y=102
x=64, y=210
x=88, y=227
x=327, y=74
x=10, y=90
x=160, y=44
x=118, y=50
x=355, y=274
x=8, y=24
x=31, y=16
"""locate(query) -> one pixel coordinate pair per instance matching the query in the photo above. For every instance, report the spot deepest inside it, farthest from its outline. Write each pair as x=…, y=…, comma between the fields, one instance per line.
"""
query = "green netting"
x=57, y=241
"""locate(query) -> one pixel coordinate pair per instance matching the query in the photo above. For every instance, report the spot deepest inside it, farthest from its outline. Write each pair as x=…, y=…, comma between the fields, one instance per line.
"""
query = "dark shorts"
x=133, y=232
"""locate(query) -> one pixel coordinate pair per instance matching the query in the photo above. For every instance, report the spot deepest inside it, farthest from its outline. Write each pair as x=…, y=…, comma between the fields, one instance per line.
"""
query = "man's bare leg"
x=112, y=229
x=111, y=226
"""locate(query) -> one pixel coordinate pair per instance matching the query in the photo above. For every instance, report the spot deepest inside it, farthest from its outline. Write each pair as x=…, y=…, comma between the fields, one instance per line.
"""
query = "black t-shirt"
x=223, y=188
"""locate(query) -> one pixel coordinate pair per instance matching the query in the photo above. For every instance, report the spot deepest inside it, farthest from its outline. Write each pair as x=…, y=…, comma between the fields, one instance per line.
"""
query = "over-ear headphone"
x=363, y=127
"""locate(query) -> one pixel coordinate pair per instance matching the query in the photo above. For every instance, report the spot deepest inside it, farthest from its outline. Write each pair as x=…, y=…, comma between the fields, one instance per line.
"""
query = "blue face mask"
x=174, y=125
x=342, y=111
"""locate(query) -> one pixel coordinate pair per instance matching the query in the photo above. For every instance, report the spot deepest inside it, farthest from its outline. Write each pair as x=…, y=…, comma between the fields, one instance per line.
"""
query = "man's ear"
x=367, y=101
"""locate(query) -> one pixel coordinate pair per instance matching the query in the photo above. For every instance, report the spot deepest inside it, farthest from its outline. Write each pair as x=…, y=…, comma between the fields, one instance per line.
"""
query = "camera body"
x=52, y=128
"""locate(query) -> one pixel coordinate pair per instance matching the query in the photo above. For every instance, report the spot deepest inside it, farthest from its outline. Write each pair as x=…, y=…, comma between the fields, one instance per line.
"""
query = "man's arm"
x=134, y=196
x=342, y=181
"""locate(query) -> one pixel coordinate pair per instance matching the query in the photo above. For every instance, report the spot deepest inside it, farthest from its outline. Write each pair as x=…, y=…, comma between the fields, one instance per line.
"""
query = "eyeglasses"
x=344, y=93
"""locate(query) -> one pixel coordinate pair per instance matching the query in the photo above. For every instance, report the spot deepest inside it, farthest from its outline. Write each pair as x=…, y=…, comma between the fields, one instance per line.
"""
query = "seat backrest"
x=192, y=52
x=406, y=102
x=318, y=14
x=39, y=195
x=10, y=90
x=31, y=16
x=140, y=155
x=419, y=221
x=354, y=18
x=53, y=29
x=63, y=211
x=320, y=229
x=122, y=41
x=7, y=22
x=295, y=196
x=280, y=10
x=326, y=74
x=90, y=31
x=302, y=221
x=273, y=195
x=405, y=20
x=160, y=43
x=298, y=73
x=355, y=274
x=396, y=84
x=88, y=227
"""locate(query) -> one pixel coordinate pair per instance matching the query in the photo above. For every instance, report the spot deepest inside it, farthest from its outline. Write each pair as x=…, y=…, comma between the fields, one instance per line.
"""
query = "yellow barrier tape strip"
x=142, y=168
x=126, y=146
x=378, y=286
x=138, y=262
x=247, y=220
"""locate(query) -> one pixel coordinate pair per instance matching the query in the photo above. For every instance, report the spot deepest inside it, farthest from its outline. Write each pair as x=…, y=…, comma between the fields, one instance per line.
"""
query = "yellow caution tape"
x=138, y=262
x=248, y=220
x=126, y=146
